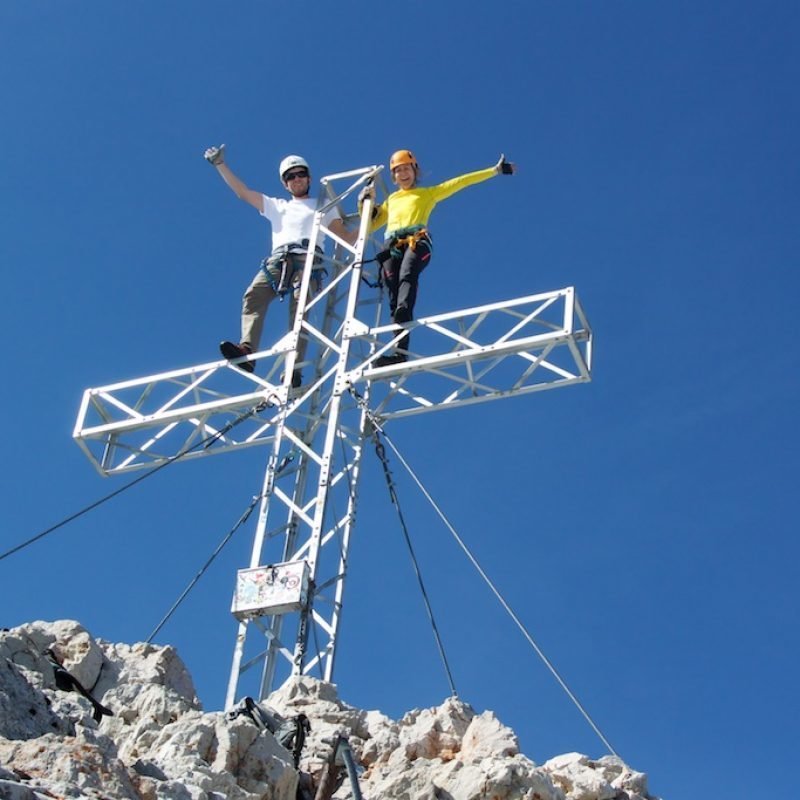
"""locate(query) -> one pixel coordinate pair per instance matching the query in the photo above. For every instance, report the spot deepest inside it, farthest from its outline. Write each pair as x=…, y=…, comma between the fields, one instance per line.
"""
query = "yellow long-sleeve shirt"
x=408, y=207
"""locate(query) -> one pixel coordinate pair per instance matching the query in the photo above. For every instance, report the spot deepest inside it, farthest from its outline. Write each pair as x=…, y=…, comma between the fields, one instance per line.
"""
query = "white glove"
x=215, y=155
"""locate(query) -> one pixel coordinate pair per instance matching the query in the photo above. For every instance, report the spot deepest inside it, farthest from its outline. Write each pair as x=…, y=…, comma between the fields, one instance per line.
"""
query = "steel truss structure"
x=316, y=434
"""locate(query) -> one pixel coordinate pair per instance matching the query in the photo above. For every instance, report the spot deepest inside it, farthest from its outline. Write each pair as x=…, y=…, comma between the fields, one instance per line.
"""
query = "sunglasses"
x=300, y=173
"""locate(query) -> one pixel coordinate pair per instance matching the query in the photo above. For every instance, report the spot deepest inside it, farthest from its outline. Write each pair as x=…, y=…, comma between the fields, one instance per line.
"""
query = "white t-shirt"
x=292, y=220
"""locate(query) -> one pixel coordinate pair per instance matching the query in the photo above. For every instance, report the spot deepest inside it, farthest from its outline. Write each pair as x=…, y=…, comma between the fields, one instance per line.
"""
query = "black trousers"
x=401, y=273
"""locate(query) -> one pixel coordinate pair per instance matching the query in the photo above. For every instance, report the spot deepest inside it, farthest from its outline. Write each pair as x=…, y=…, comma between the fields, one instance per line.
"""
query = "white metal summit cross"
x=316, y=434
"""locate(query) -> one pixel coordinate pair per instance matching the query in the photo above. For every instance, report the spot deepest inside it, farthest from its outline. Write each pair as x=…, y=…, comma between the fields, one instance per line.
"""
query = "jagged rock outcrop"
x=160, y=745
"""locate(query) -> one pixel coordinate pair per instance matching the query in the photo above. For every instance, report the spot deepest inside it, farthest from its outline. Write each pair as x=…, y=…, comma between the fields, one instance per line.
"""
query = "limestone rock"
x=25, y=712
x=160, y=745
x=486, y=736
x=608, y=778
x=85, y=762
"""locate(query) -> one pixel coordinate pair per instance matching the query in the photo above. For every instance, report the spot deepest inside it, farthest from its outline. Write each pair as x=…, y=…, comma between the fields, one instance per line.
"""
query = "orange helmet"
x=402, y=157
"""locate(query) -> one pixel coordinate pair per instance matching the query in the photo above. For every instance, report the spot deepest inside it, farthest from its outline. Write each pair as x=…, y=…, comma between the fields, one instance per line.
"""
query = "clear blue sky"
x=641, y=525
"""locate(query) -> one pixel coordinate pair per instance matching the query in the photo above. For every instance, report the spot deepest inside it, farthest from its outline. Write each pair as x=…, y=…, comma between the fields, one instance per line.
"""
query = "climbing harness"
x=282, y=270
x=289, y=733
x=380, y=258
x=372, y=284
x=413, y=238
x=409, y=237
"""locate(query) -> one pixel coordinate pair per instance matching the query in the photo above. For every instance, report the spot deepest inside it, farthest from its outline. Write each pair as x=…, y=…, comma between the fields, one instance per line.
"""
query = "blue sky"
x=640, y=525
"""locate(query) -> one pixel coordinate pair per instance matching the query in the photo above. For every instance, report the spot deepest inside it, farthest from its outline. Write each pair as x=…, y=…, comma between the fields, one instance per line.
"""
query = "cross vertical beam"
x=308, y=517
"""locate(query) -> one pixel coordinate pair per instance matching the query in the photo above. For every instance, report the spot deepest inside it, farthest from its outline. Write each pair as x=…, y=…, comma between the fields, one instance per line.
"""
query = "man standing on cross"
x=281, y=272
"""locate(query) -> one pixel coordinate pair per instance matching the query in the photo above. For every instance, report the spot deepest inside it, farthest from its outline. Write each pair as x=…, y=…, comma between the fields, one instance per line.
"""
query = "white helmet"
x=292, y=161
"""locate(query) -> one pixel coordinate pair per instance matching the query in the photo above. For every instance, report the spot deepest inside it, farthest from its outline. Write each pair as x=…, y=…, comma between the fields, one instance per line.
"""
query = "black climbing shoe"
x=401, y=315
x=297, y=378
x=390, y=360
x=232, y=351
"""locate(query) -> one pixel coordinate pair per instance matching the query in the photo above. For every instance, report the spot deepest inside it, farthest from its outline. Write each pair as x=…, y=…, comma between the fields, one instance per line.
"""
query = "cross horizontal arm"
x=473, y=355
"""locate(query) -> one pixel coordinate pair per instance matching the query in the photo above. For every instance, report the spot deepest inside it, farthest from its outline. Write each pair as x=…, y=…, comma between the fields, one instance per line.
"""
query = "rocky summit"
x=84, y=718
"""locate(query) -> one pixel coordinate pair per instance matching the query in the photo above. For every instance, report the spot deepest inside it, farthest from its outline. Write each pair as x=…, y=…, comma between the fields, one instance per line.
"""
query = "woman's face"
x=404, y=175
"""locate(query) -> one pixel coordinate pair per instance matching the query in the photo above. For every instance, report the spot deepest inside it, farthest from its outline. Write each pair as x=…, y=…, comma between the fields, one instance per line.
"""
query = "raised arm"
x=216, y=157
x=447, y=188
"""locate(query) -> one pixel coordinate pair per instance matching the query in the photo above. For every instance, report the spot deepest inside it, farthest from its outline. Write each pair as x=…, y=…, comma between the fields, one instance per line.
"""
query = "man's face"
x=297, y=180
x=404, y=176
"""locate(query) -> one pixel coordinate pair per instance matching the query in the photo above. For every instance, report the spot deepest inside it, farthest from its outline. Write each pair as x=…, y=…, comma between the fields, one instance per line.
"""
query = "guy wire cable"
x=381, y=453
x=379, y=449
x=497, y=594
x=228, y=536
x=171, y=460
x=203, y=569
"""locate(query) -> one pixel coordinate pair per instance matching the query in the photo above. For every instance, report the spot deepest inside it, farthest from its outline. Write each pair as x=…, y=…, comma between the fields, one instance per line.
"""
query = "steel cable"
x=171, y=460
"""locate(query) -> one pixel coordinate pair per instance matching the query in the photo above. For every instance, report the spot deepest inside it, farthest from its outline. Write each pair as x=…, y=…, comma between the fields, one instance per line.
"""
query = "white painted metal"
x=484, y=353
x=312, y=519
x=317, y=434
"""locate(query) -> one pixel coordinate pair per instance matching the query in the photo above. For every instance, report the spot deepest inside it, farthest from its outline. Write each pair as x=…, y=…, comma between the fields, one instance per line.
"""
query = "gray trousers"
x=260, y=294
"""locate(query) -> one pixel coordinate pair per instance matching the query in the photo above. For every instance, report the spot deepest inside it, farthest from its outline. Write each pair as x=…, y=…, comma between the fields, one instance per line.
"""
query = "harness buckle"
x=281, y=269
